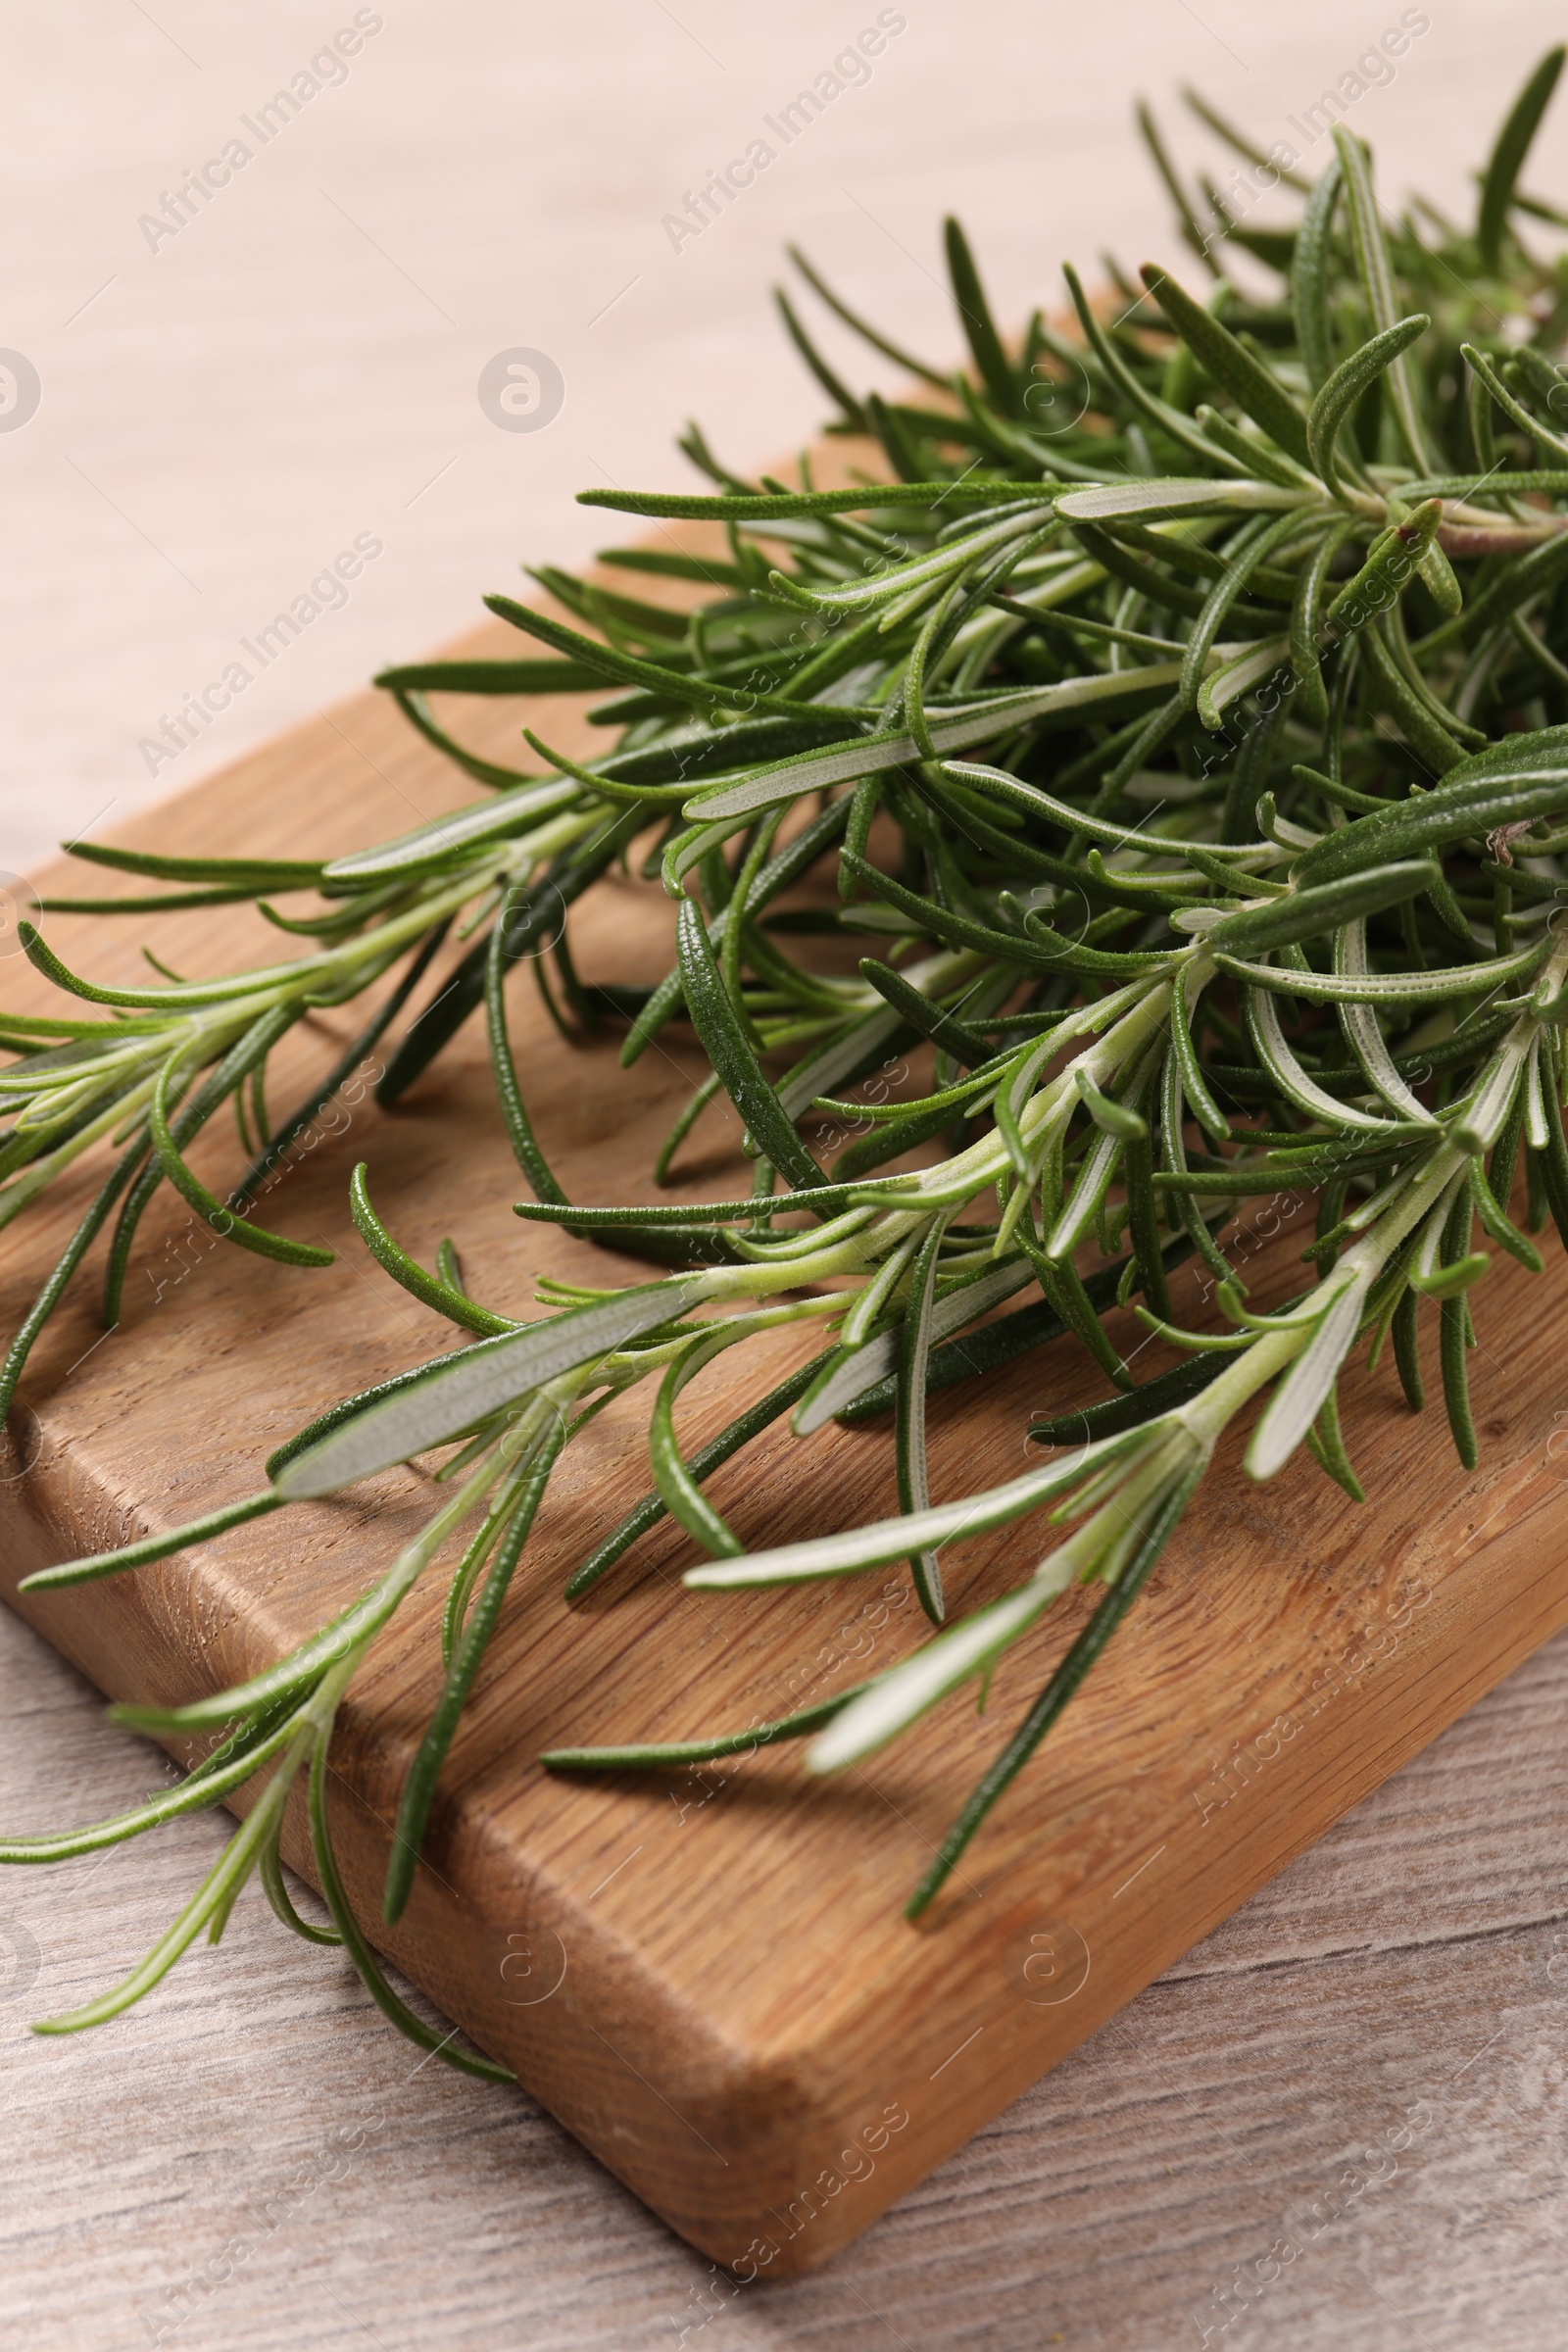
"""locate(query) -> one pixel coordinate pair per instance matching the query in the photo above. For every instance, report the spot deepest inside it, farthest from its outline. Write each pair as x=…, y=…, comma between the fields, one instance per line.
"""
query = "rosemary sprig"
x=1198, y=772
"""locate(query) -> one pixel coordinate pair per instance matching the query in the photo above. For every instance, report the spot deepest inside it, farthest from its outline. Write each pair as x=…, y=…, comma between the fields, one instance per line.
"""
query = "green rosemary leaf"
x=1074, y=699
x=1114, y=1118
x=938, y=1022
x=1326, y=1443
x=1193, y=1083
x=852, y=410
x=1247, y=149
x=668, y=1753
x=1341, y=391
x=1358, y=1024
x=774, y=506
x=679, y=1490
x=1069, y=1296
x=1496, y=1224
x=864, y=1044
x=1360, y=804
x=1407, y=1351
x=229, y=1767
x=153, y=903
x=419, y=1789
x=1164, y=499
x=428, y=1288
x=210, y=1900
x=1134, y=1410
x=1237, y=678
x=698, y=1217
x=1311, y=267
x=1501, y=176
x=396, y=2011
x=965, y=1652
x=70, y=1258
x=154, y=1548
x=251, y=874
x=1200, y=644
x=1384, y=988
x=453, y=1393
x=1377, y=277
x=509, y=1093
x=683, y=685
x=348, y=1062
x=1307, y=912
x=1042, y=950
x=624, y=620
x=731, y=1055
x=854, y=1385
x=269, y=1870
x=985, y=344
x=1515, y=412
x=443, y=838
x=534, y=914
x=492, y=678
x=1143, y=1204
x=1170, y=420
x=1250, y=452
x=1257, y=393
x=707, y=1460
x=184, y=995
x=417, y=710
x=670, y=564
x=1307, y=630
x=1190, y=228
x=1453, y=1328
x=1391, y=559
x=910, y=1461
x=1238, y=1180
x=887, y=1539
x=1291, y=1082
x=852, y=318
x=228, y=1223
x=1063, y=1682
x=1297, y=1403
x=1513, y=782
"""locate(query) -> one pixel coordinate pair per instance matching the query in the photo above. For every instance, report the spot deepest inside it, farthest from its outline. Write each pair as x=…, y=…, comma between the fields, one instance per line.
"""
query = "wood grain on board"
x=707, y=1977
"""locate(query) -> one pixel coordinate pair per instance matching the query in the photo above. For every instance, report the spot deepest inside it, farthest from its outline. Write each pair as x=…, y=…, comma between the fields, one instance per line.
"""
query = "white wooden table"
x=1342, y=2121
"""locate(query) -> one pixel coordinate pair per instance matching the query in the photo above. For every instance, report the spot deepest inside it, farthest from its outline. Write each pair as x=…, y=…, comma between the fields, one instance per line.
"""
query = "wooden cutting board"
x=707, y=1976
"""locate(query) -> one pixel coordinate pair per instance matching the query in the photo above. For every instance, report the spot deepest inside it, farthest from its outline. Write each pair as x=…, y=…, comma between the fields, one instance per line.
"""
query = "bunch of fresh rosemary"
x=1187, y=723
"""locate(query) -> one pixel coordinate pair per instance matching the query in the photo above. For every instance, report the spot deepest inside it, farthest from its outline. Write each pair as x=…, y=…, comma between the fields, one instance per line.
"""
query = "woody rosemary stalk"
x=1184, y=726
